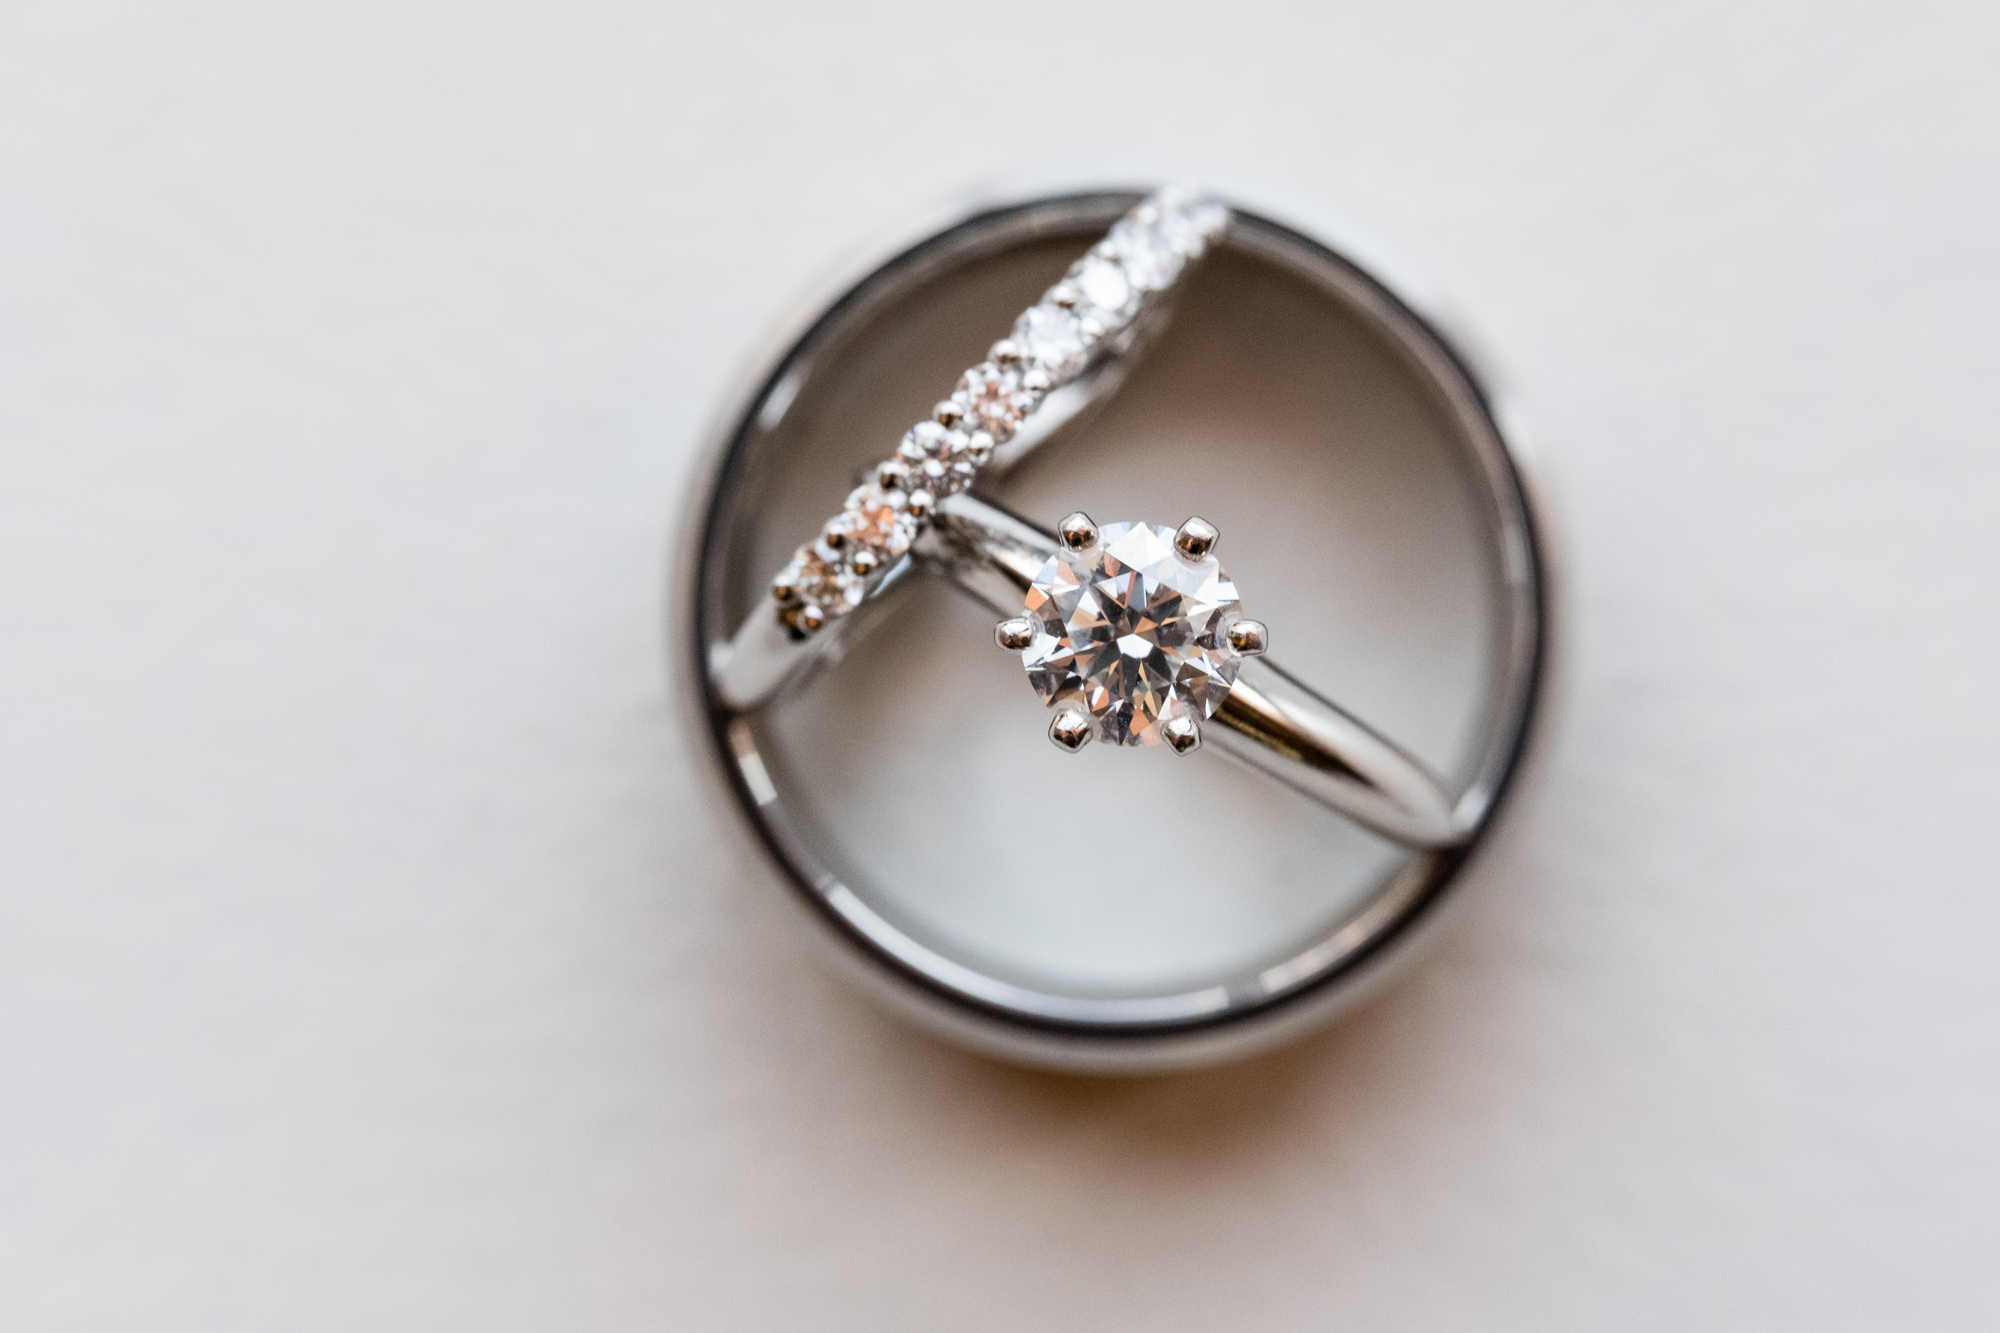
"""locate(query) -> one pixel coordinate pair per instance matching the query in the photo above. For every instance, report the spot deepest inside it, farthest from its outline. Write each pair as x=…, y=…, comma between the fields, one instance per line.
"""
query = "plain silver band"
x=1270, y=720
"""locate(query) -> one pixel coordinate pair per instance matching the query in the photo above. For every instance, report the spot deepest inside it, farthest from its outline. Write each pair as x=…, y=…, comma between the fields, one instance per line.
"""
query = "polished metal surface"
x=1271, y=720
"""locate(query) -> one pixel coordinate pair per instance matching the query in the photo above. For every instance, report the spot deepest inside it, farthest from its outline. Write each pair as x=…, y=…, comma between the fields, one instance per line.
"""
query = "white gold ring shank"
x=1269, y=720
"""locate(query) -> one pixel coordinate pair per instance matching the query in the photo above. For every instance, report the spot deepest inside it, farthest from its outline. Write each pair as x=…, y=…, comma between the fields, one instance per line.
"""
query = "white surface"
x=367, y=959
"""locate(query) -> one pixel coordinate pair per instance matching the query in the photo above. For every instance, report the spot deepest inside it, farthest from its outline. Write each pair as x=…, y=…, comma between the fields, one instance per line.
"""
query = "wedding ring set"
x=1129, y=631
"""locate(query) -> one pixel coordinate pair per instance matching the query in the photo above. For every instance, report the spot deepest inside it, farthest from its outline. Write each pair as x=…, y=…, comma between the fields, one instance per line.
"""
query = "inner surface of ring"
x=918, y=769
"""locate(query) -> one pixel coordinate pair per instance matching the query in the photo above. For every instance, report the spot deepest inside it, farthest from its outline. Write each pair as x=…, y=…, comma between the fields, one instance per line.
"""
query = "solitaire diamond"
x=1132, y=632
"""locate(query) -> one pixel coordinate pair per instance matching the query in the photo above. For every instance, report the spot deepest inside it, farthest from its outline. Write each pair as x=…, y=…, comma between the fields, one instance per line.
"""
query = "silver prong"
x=1006, y=352
x=891, y=473
x=920, y=502
x=785, y=587
x=948, y=413
x=1071, y=730
x=1183, y=734
x=1015, y=634
x=1065, y=295
x=864, y=562
x=810, y=618
x=1196, y=538
x=1036, y=380
x=1077, y=532
x=1249, y=637
x=835, y=534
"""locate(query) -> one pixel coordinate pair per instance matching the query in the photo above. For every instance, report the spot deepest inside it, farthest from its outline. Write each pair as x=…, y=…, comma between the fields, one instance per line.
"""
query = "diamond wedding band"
x=1112, y=289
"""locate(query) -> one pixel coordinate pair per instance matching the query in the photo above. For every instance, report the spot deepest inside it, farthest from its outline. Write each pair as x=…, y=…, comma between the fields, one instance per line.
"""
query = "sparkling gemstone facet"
x=994, y=400
x=1105, y=286
x=1132, y=632
x=1149, y=259
x=926, y=439
x=879, y=521
x=823, y=583
x=1050, y=337
x=943, y=476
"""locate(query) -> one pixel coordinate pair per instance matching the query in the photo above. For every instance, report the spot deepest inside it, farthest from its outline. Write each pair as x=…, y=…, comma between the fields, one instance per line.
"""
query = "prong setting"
x=1249, y=637
x=1123, y=619
x=1183, y=734
x=1015, y=635
x=1077, y=532
x=1196, y=538
x=1070, y=730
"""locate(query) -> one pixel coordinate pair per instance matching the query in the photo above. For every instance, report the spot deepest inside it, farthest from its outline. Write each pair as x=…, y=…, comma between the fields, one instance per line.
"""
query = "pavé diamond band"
x=1122, y=280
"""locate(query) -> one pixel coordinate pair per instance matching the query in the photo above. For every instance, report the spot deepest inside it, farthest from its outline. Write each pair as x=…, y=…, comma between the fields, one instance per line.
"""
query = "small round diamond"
x=879, y=521
x=1132, y=632
x=995, y=400
x=824, y=587
x=943, y=476
x=1105, y=286
x=926, y=439
x=1148, y=258
x=1050, y=337
x=1188, y=219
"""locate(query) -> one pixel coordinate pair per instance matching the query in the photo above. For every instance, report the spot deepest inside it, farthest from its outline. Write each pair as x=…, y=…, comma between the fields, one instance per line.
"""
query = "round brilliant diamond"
x=1132, y=632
